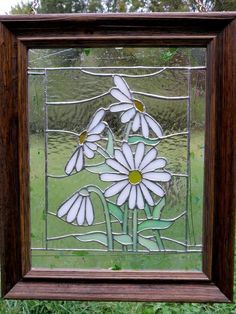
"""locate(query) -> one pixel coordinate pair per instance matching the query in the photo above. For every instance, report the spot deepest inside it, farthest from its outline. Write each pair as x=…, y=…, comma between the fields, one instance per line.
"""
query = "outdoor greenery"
x=92, y=6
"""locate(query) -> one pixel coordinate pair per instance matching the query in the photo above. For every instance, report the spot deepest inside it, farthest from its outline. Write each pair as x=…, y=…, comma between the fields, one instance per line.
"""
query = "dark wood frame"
x=217, y=32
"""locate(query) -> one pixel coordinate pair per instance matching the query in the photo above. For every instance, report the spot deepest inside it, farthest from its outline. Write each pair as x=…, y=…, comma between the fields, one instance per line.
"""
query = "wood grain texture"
x=100, y=30
x=23, y=140
x=220, y=161
x=100, y=274
x=14, y=195
x=11, y=259
x=225, y=164
x=210, y=157
x=100, y=41
x=217, y=31
x=168, y=292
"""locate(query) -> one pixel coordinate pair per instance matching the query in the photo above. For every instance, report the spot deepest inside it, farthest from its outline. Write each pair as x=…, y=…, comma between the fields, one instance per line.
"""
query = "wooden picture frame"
x=217, y=32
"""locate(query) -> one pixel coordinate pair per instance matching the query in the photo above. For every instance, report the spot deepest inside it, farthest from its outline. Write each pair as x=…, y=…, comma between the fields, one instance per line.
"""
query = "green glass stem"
x=159, y=241
x=126, y=218
x=103, y=152
x=96, y=190
x=125, y=222
x=135, y=230
x=127, y=131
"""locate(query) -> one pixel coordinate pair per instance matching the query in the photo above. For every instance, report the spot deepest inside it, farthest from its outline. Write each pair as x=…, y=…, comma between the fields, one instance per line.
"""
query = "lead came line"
x=188, y=159
x=46, y=154
x=118, y=68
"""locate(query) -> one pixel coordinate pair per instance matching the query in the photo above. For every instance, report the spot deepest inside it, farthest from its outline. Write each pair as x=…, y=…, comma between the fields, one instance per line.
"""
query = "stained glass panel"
x=117, y=148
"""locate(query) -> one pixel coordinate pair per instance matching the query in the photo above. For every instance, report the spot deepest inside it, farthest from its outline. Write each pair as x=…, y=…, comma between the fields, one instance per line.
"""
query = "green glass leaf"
x=99, y=237
x=148, y=244
x=158, y=208
x=136, y=139
x=115, y=211
x=147, y=211
x=110, y=143
x=99, y=168
x=124, y=239
x=154, y=225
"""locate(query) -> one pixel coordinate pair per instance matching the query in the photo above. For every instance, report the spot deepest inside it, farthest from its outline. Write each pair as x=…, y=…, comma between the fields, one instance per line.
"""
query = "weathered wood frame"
x=217, y=32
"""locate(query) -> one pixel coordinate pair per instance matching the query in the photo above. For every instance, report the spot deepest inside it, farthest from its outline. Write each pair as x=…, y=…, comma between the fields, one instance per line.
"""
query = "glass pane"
x=117, y=157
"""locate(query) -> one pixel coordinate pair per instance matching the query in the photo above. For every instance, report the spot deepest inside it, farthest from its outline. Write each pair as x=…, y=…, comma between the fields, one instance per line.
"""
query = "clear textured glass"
x=117, y=157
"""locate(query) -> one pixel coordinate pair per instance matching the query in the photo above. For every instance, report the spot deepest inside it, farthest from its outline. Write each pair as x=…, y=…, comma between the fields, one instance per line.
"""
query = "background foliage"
x=96, y=6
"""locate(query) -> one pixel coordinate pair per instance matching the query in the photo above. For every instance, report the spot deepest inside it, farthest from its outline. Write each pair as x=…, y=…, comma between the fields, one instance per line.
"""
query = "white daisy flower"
x=132, y=109
x=78, y=208
x=87, y=145
x=136, y=176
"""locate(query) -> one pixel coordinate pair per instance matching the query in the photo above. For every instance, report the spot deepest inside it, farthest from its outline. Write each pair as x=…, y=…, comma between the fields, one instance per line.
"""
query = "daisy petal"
x=113, y=177
x=132, y=197
x=148, y=158
x=115, y=188
x=120, y=107
x=98, y=129
x=81, y=214
x=88, y=152
x=116, y=93
x=93, y=138
x=128, y=115
x=128, y=155
x=74, y=210
x=119, y=156
x=116, y=165
x=154, y=125
x=147, y=195
x=155, y=164
x=157, y=176
x=122, y=85
x=80, y=161
x=121, y=199
x=136, y=122
x=91, y=145
x=140, y=201
x=65, y=207
x=155, y=188
x=72, y=161
x=89, y=212
x=144, y=125
x=96, y=119
x=139, y=154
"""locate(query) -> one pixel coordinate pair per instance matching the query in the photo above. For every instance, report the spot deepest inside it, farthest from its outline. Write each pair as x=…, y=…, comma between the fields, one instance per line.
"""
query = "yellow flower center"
x=139, y=105
x=82, y=137
x=135, y=177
